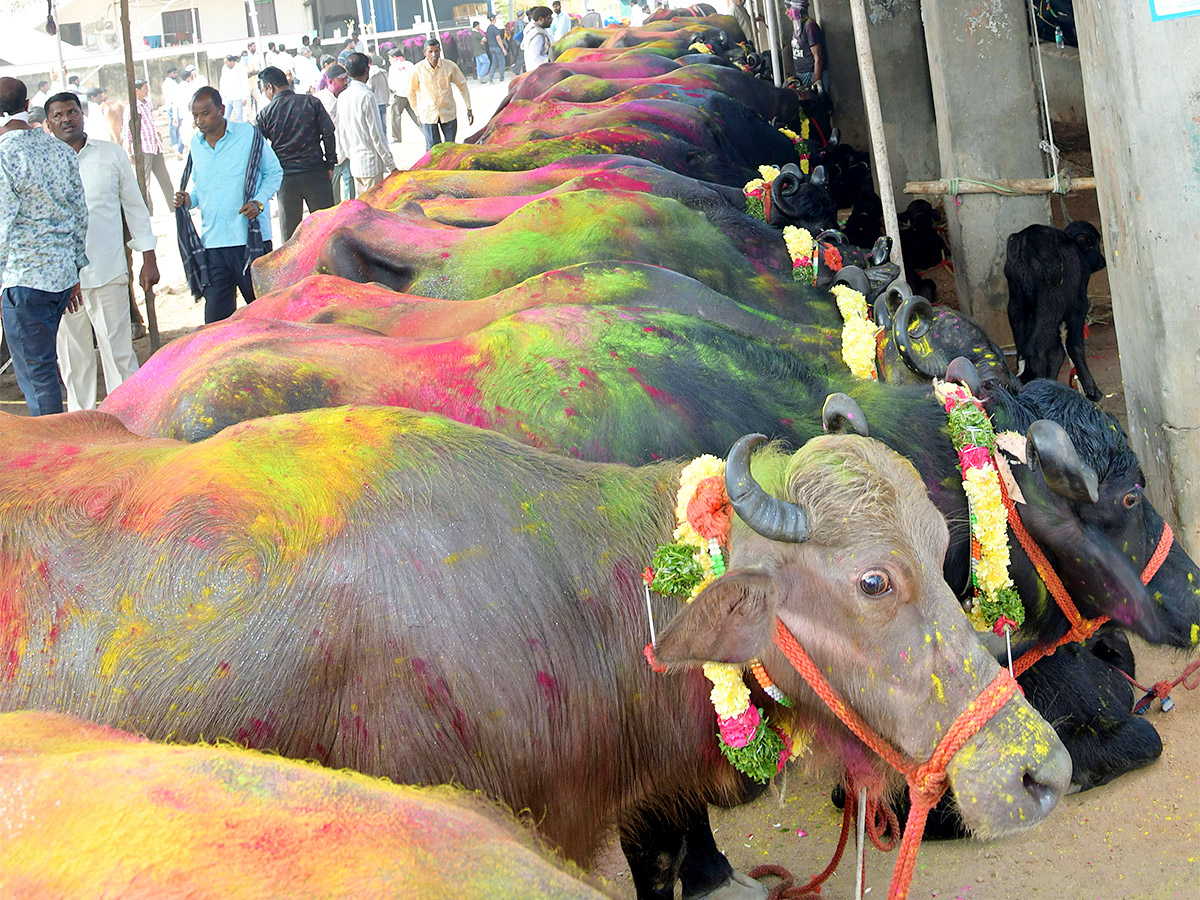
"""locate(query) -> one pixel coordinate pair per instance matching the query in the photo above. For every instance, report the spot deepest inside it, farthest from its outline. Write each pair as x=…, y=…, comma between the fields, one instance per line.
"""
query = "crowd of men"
x=306, y=129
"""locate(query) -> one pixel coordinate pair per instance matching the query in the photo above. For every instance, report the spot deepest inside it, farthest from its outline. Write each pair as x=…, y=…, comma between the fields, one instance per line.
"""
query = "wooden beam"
x=1020, y=186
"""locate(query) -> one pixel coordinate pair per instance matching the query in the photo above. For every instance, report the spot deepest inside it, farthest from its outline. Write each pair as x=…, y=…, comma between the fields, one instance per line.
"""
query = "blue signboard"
x=1160, y=10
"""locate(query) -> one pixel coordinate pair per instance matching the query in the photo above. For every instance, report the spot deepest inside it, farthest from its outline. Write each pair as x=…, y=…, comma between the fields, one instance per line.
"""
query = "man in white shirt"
x=42, y=95
x=95, y=122
x=429, y=91
x=170, y=85
x=305, y=71
x=343, y=181
x=235, y=89
x=562, y=22
x=537, y=44
x=110, y=190
x=399, y=79
x=359, y=131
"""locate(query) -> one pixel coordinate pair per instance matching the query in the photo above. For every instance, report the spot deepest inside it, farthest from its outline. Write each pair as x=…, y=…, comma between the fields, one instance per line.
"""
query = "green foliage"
x=759, y=759
x=970, y=426
x=676, y=571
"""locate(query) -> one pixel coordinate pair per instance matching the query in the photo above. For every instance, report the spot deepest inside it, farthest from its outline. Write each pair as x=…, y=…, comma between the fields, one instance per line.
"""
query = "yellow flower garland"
x=768, y=173
x=858, y=332
x=730, y=696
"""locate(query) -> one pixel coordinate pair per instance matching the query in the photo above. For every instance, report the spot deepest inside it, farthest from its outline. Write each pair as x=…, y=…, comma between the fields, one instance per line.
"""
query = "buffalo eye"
x=1131, y=499
x=875, y=583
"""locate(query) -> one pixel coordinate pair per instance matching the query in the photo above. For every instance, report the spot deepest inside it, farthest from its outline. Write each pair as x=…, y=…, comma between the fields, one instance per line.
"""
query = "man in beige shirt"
x=429, y=91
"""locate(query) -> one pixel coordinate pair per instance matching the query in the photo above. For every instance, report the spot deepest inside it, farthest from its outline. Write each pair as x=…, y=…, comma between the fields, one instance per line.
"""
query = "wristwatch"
x=260, y=205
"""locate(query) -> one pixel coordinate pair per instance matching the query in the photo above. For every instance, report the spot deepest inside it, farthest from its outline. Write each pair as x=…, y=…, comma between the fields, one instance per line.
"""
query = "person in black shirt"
x=496, y=48
x=297, y=125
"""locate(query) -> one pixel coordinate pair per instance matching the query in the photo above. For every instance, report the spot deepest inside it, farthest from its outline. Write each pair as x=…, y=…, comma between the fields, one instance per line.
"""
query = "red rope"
x=1162, y=689
x=927, y=781
x=785, y=890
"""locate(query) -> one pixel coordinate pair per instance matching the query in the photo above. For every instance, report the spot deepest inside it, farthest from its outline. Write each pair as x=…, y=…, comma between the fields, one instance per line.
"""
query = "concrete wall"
x=1064, y=87
x=1140, y=80
x=905, y=96
x=987, y=121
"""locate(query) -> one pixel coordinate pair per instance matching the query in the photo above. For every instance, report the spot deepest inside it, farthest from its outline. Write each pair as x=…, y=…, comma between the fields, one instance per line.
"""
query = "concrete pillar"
x=987, y=125
x=905, y=95
x=1140, y=82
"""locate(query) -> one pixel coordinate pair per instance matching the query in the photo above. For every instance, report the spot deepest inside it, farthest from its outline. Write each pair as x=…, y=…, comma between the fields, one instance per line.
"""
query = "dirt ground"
x=1135, y=839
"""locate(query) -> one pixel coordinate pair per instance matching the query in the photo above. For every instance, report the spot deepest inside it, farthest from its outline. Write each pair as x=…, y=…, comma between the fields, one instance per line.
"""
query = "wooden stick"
x=870, y=89
x=1007, y=185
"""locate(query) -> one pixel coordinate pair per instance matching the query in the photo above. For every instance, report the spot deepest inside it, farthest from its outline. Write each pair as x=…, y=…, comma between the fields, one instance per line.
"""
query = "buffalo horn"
x=855, y=278
x=839, y=412
x=932, y=361
x=893, y=298
x=1049, y=448
x=776, y=519
x=818, y=177
x=962, y=371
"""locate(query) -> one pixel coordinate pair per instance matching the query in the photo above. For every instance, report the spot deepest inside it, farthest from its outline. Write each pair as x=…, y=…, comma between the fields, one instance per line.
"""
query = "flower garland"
x=801, y=143
x=758, y=190
x=995, y=597
x=858, y=332
x=700, y=47
x=747, y=739
x=802, y=248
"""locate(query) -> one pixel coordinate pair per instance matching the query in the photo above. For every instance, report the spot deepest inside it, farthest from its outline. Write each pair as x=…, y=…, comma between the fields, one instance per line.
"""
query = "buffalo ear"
x=729, y=622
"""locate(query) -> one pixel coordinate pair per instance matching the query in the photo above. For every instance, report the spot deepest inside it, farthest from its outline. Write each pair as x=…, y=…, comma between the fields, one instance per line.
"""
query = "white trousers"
x=105, y=309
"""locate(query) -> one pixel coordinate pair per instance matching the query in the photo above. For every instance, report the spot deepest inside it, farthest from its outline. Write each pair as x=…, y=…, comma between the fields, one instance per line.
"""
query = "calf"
x=1048, y=272
x=865, y=224
x=922, y=245
x=201, y=821
x=416, y=598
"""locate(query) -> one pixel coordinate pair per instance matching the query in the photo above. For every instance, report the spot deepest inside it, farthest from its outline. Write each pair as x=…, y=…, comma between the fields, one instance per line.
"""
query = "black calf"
x=865, y=224
x=922, y=245
x=1048, y=272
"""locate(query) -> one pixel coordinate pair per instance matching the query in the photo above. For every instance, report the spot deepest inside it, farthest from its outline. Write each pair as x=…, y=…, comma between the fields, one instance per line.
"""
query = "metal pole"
x=433, y=19
x=254, y=20
x=62, y=66
x=196, y=42
x=860, y=844
x=870, y=88
x=773, y=38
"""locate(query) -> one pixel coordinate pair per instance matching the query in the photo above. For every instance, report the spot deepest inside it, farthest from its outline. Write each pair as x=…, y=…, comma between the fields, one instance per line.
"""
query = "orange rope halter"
x=926, y=781
x=1081, y=629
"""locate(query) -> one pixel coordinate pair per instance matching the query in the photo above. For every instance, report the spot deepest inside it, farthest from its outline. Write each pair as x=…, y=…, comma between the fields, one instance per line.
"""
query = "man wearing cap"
x=235, y=88
x=111, y=192
x=429, y=91
x=153, y=162
x=222, y=153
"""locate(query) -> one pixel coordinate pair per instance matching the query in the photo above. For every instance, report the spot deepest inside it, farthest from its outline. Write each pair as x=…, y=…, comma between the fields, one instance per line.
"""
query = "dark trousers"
x=448, y=130
x=31, y=320
x=497, y=68
x=154, y=164
x=227, y=274
x=313, y=189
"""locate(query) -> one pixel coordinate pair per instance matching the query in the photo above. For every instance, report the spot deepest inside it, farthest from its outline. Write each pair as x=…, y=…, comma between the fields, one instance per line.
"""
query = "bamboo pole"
x=139, y=168
x=870, y=88
x=1002, y=186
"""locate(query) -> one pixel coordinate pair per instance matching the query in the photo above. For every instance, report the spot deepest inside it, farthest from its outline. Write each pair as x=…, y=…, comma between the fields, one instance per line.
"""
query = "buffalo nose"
x=1047, y=782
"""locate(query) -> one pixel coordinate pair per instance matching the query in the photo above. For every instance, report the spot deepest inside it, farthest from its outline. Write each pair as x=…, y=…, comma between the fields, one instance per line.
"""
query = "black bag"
x=191, y=250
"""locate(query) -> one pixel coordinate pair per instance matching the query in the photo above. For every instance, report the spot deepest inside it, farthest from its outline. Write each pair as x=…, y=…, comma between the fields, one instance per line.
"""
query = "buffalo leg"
x=653, y=845
x=1098, y=760
x=1075, y=321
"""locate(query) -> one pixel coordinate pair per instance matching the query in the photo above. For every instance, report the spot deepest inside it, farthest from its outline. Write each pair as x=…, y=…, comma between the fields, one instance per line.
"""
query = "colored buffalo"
x=222, y=822
x=416, y=598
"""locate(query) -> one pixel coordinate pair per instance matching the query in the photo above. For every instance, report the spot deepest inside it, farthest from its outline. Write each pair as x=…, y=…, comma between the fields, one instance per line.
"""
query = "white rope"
x=861, y=843
x=1047, y=146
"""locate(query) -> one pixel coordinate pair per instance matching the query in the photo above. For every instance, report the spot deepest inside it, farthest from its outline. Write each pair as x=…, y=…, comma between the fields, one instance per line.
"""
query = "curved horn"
x=854, y=277
x=893, y=298
x=1049, y=448
x=832, y=235
x=835, y=138
x=776, y=519
x=962, y=371
x=819, y=177
x=928, y=360
x=841, y=411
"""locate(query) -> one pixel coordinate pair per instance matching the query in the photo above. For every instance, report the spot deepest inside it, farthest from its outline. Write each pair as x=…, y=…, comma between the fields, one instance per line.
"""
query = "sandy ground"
x=1135, y=839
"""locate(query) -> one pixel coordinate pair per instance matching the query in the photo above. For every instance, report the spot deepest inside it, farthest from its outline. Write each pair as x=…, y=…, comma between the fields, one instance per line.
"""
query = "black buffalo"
x=1048, y=272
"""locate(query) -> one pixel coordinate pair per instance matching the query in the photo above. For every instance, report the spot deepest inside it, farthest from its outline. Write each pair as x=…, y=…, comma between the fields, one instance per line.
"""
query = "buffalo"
x=203, y=821
x=1048, y=272
x=415, y=598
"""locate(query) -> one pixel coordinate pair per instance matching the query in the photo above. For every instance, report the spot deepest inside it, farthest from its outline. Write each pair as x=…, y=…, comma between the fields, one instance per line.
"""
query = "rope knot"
x=1162, y=689
x=928, y=784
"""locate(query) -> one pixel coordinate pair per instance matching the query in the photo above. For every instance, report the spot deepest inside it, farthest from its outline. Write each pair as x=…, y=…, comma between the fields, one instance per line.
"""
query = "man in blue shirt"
x=220, y=152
